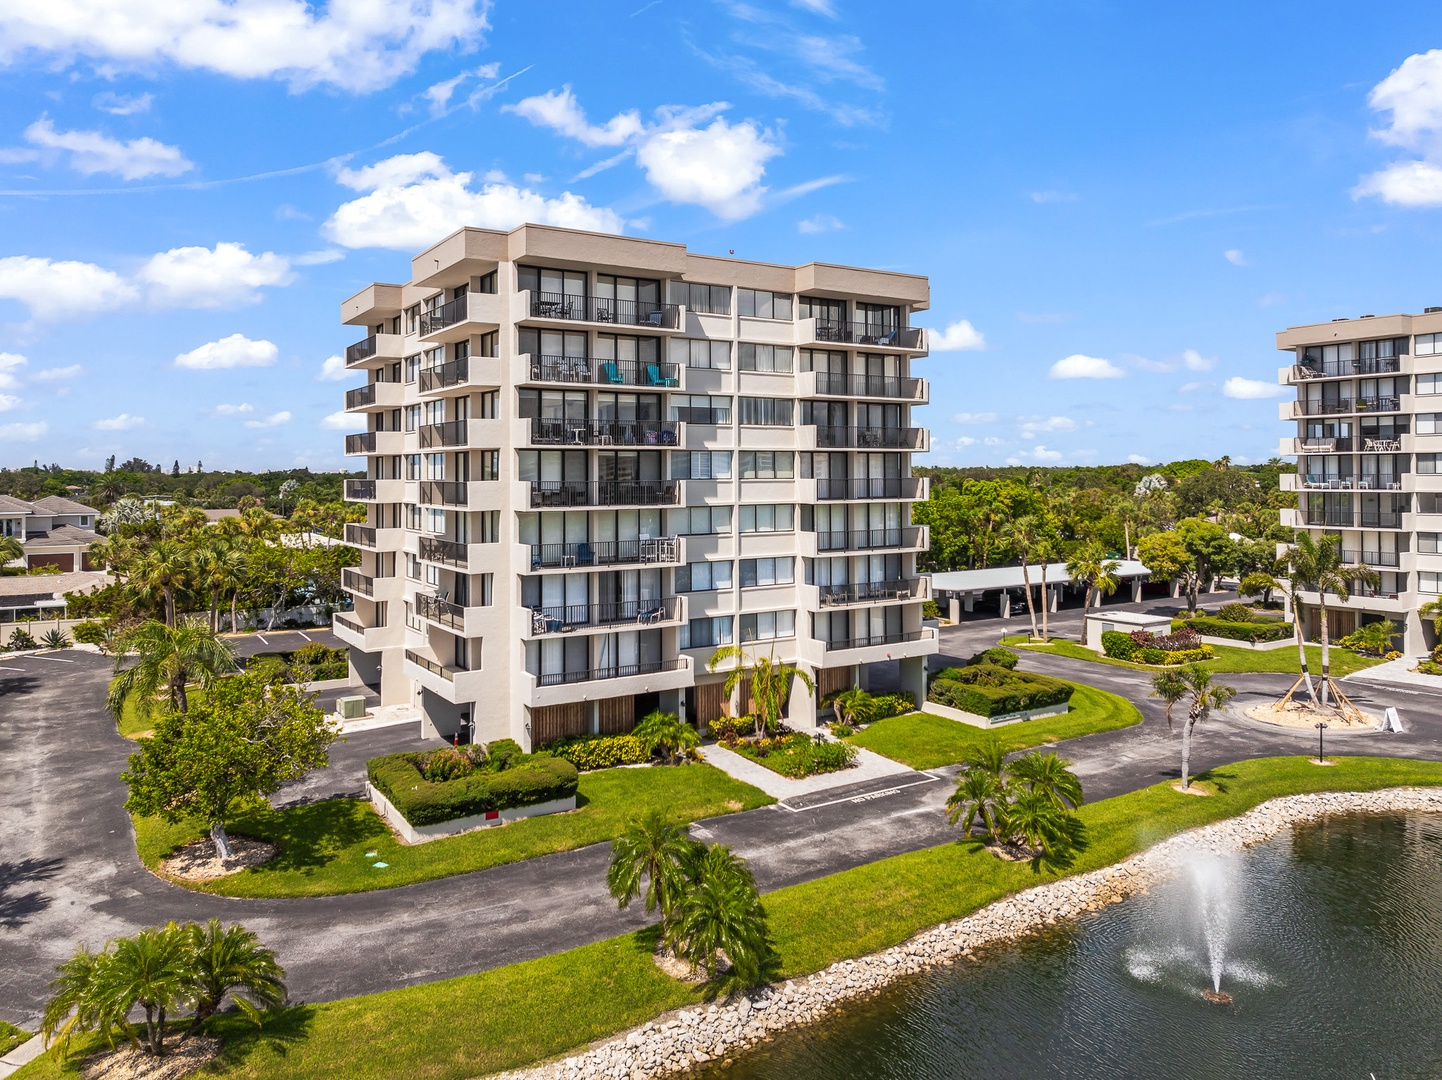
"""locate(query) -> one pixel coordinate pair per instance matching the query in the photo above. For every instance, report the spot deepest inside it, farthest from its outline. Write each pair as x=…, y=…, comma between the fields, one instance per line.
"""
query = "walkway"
x=869, y=766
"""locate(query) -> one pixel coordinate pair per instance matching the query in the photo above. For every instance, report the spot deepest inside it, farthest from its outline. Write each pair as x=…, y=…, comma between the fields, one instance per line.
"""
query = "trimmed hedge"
x=1254, y=632
x=888, y=705
x=995, y=655
x=601, y=751
x=1163, y=658
x=1118, y=645
x=541, y=778
x=989, y=690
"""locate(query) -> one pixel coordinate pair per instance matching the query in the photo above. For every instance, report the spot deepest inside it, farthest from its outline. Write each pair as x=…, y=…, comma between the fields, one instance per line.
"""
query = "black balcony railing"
x=837, y=384
x=621, y=671
x=662, y=549
x=645, y=313
x=438, y=610
x=364, y=443
x=447, y=552
x=550, y=620
x=430, y=665
x=688, y=414
x=870, y=592
x=1379, y=404
x=860, y=333
x=360, y=535
x=439, y=378
x=443, y=493
x=361, y=396
x=351, y=623
x=1381, y=519
x=871, y=640
x=1371, y=558
x=556, y=432
x=446, y=315
x=1339, y=519
x=868, y=539
x=360, y=490
x=1322, y=408
x=880, y=487
x=1311, y=368
x=355, y=581
x=360, y=351
x=603, y=493
x=450, y=433
x=893, y=438
x=589, y=369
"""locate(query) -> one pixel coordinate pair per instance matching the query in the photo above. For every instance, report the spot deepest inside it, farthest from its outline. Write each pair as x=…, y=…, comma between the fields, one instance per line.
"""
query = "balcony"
x=361, y=396
x=872, y=592
x=448, y=314
x=873, y=640
x=437, y=610
x=912, y=339
x=351, y=630
x=1350, y=519
x=598, y=309
x=1351, y=483
x=559, y=432
x=870, y=438
x=831, y=384
x=553, y=493
x=364, y=443
x=450, y=433
x=622, y=671
x=868, y=539
x=1338, y=407
x=356, y=582
x=1372, y=558
x=445, y=552
x=1322, y=446
x=445, y=376
x=1311, y=368
x=1380, y=446
x=360, y=535
x=443, y=493
x=360, y=490
x=375, y=347
x=554, y=620
x=881, y=487
x=1379, y=404
x=663, y=549
x=584, y=370
x=1381, y=519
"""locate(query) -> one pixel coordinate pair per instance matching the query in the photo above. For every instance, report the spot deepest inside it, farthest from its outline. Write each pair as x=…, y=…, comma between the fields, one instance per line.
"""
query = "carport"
x=999, y=588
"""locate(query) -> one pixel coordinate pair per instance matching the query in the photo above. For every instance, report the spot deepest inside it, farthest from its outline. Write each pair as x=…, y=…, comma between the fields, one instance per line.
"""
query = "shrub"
x=315, y=653
x=601, y=751
x=987, y=690
x=730, y=728
x=90, y=632
x=1260, y=630
x=447, y=763
x=502, y=753
x=995, y=655
x=795, y=755
x=55, y=638
x=1118, y=645
x=947, y=673
x=422, y=802
x=894, y=705
x=1235, y=612
x=840, y=728
x=1175, y=657
x=931, y=610
x=21, y=640
x=1177, y=641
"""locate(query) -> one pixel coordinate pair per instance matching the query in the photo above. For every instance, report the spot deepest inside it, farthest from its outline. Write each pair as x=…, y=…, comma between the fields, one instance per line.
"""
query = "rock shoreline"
x=678, y=1042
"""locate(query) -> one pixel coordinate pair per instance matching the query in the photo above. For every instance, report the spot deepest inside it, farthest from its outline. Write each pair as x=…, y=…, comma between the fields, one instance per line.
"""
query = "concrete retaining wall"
x=976, y=720
x=1260, y=646
x=38, y=630
x=419, y=834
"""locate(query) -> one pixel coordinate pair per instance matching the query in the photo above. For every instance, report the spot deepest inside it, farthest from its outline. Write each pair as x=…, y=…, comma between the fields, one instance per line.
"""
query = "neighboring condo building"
x=592, y=460
x=1368, y=443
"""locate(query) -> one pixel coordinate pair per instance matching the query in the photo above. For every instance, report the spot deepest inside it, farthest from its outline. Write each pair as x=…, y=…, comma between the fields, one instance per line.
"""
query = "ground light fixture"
x=1321, y=726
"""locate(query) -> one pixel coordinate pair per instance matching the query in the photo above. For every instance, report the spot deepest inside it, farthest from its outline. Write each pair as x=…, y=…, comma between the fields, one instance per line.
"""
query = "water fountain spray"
x=1210, y=876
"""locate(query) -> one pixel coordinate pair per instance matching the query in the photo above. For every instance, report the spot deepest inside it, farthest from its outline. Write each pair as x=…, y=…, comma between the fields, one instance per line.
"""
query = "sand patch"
x=196, y=861
x=1300, y=716
x=1193, y=788
x=181, y=1058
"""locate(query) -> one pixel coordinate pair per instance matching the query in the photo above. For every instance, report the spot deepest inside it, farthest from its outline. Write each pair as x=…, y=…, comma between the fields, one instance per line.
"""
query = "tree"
x=1022, y=534
x=769, y=681
x=721, y=912
x=237, y=746
x=1373, y=637
x=1050, y=775
x=11, y=549
x=854, y=706
x=1317, y=566
x=1028, y=800
x=219, y=569
x=667, y=733
x=169, y=658
x=1167, y=558
x=1432, y=609
x=1259, y=585
x=656, y=850
x=231, y=961
x=1212, y=553
x=1089, y=564
x=980, y=796
x=1192, y=682
x=161, y=570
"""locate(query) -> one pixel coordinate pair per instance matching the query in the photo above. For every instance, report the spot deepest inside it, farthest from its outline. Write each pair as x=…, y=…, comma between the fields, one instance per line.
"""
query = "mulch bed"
x=197, y=861
x=182, y=1057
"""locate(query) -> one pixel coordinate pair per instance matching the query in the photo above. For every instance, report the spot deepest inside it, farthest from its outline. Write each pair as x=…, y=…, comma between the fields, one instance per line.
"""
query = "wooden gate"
x=553, y=722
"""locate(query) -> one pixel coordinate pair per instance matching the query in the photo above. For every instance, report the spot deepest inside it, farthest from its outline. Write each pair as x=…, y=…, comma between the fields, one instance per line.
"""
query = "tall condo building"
x=1367, y=435
x=592, y=460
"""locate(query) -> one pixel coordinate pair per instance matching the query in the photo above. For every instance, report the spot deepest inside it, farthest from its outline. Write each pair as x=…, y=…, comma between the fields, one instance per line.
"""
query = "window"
x=490, y=464
x=765, y=411
x=767, y=465
x=413, y=318
x=706, y=633
x=701, y=465
x=544, y=280
x=412, y=365
x=1429, y=423
x=1429, y=581
x=490, y=344
x=435, y=466
x=701, y=520
x=766, y=357
x=767, y=518
x=821, y=308
x=413, y=517
x=1384, y=349
x=489, y=531
x=702, y=353
x=703, y=576
x=763, y=305
x=1427, y=543
x=481, y=591
x=413, y=417
x=413, y=566
x=1427, y=463
x=413, y=466
x=768, y=625
x=435, y=521
x=756, y=572
x=705, y=299
x=1429, y=344
x=1429, y=384
x=700, y=409
x=486, y=283
x=487, y=402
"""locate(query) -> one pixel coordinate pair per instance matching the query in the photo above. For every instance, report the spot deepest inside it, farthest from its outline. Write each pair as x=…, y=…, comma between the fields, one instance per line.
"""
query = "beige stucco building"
x=1366, y=429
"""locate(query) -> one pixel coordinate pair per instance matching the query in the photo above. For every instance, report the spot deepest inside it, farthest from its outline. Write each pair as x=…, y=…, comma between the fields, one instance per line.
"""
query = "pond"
x=1329, y=939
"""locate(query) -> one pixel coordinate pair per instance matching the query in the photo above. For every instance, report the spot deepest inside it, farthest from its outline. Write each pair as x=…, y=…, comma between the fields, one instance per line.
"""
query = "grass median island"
x=522, y=1013
x=323, y=845
x=925, y=741
x=11, y=1037
x=1229, y=659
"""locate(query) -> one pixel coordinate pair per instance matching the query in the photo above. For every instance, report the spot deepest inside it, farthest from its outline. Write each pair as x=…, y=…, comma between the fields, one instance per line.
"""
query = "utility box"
x=351, y=708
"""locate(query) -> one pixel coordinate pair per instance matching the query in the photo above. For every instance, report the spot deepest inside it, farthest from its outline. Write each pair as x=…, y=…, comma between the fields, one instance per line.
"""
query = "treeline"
x=190, y=485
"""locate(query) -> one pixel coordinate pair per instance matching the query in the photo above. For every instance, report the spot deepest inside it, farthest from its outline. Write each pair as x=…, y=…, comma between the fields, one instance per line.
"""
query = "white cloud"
x=820, y=223
x=1410, y=183
x=55, y=290
x=332, y=369
x=8, y=402
x=1195, y=361
x=1078, y=366
x=122, y=104
x=1052, y=196
x=91, y=152
x=234, y=410
x=965, y=440
x=414, y=200
x=357, y=45
x=1413, y=95
x=273, y=420
x=719, y=166
x=10, y=363
x=1190, y=359
x=1037, y=453
x=338, y=421
x=318, y=258
x=54, y=374
x=123, y=422
x=224, y=276
x=974, y=418
x=959, y=336
x=235, y=351
x=1235, y=257
x=1192, y=387
x=1031, y=426
x=23, y=432
x=992, y=440
x=561, y=112
x=1139, y=459
x=816, y=7
x=1250, y=389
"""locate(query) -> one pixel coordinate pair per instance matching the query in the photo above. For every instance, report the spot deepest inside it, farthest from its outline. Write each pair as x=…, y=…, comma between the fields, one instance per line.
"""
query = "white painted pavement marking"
x=53, y=659
x=262, y=639
x=303, y=634
x=858, y=799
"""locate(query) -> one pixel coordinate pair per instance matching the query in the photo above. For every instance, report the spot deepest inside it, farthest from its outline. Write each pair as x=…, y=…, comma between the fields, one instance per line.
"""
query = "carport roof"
x=1010, y=577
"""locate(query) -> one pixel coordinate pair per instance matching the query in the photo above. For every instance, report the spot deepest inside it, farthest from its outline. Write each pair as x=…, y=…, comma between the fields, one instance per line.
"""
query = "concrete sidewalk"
x=1396, y=673
x=22, y=1055
x=869, y=766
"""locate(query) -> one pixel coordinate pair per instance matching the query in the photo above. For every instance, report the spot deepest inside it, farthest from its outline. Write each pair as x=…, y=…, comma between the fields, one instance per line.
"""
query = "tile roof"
x=56, y=504
x=14, y=505
x=63, y=536
x=49, y=584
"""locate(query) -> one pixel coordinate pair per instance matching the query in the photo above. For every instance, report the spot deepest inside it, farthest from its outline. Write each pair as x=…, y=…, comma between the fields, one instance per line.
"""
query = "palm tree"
x=769, y=681
x=10, y=550
x=1089, y=564
x=654, y=849
x=721, y=912
x=667, y=733
x=220, y=569
x=980, y=796
x=1195, y=682
x=854, y=706
x=1038, y=822
x=1049, y=774
x=161, y=570
x=990, y=755
x=1021, y=535
x=168, y=658
x=1374, y=637
x=124, y=512
x=1432, y=609
x=231, y=960
x=1317, y=564
x=1045, y=551
x=152, y=970
x=74, y=1005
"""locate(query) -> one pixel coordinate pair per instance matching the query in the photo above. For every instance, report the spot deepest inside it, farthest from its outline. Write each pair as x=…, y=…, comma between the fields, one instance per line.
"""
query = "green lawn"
x=11, y=1037
x=133, y=725
x=324, y=845
x=510, y=1017
x=1229, y=658
x=924, y=741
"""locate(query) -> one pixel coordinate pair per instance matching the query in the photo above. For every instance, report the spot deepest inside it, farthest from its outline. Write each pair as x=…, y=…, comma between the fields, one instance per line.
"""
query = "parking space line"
x=865, y=797
x=52, y=659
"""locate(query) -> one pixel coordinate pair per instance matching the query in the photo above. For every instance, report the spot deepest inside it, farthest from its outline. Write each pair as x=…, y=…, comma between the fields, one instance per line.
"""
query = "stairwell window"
x=761, y=304
x=705, y=633
x=768, y=625
x=758, y=572
x=1429, y=581
x=1428, y=344
x=1427, y=463
x=767, y=465
x=701, y=521
x=766, y=411
x=1427, y=543
x=767, y=517
x=1429, y=384
x=779, y=358
x=701, y=353
x=701, y=465
x=703, y=577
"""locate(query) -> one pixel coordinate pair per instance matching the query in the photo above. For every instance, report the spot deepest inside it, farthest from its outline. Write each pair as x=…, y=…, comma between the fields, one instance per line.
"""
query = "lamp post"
x=1321, y=726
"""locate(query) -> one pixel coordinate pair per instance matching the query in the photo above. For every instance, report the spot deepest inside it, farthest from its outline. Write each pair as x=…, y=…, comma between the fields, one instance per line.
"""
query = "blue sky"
x=1117, y=204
